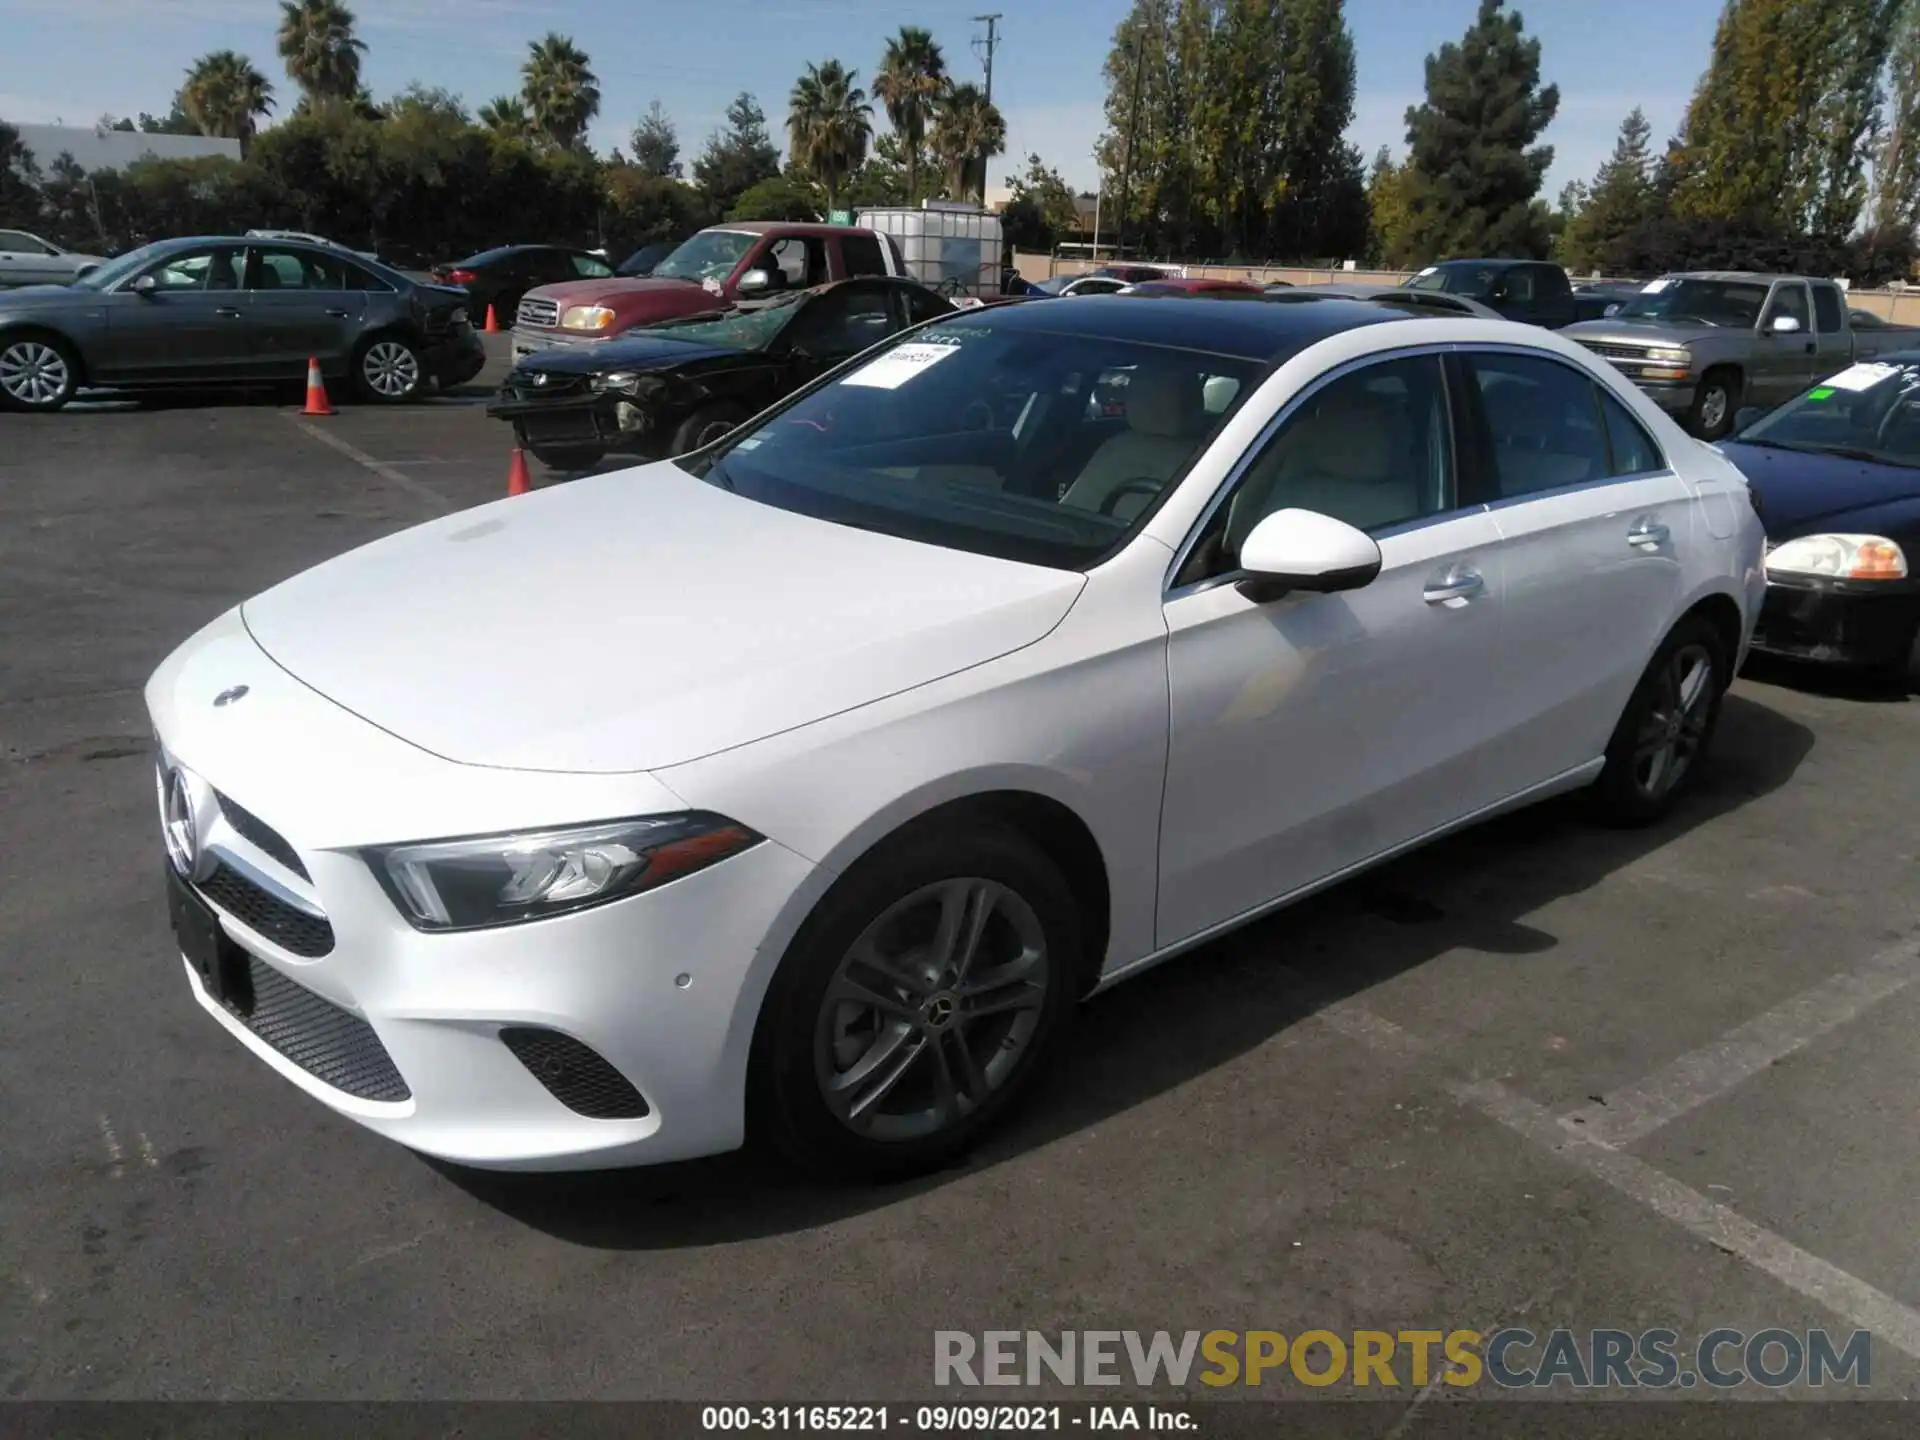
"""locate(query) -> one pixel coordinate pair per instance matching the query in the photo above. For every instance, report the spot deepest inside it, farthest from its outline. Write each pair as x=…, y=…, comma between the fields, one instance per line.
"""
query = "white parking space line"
x=1691, y=1081
x=1847, y=1296
x=430, y=498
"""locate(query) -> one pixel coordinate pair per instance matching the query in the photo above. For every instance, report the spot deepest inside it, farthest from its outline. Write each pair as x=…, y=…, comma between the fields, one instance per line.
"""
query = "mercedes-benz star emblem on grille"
x=540, y=379
x=228, y=696
x=187, y=808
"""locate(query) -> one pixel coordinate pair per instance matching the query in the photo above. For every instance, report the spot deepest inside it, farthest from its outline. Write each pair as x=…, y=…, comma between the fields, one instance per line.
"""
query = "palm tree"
x=912, y=77
x=562, y=94
x=967, y=129
x=318, y=44
x=827, y=125
x=224, y=95
x=506, y=115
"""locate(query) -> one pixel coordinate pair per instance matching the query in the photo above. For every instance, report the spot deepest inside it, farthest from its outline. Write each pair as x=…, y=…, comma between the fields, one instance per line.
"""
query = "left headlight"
x=586, y=317
x=626, y=382
x=490, y=880
x=1840, y=557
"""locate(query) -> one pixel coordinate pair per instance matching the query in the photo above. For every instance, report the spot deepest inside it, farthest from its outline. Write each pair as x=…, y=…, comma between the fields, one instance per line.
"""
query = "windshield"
x=710, y=255
x=1473, y=281
x=1012, y=442
x=739, y=330
x=1868, y=412
x=1735, y=303
x=120, y=267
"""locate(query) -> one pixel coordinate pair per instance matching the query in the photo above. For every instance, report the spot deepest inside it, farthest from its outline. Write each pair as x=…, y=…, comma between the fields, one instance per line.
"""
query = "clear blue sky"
x=72, y=60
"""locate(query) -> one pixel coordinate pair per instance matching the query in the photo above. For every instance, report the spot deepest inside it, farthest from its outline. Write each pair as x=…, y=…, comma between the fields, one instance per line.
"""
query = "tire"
x=934, y=1101
x=388, y=370
x=39, y=372
x=569, y=458
x=1715, y=404
x=703, y=427
x=1633, y=789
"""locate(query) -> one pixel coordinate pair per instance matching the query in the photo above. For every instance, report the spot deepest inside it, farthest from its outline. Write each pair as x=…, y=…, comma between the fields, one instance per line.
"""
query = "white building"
x=96, y=148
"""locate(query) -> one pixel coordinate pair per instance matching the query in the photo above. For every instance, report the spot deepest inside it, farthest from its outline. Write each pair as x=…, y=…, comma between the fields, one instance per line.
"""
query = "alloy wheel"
x=1669, y=738
x=1713, y=408
x=710, y=432
x=932, y=1009
x=33, y=373
x=392, y=369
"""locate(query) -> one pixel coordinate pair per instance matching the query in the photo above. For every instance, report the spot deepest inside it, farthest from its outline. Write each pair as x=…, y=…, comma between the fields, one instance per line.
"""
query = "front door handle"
x=1461, y=584
x=227, y=312
x=1649, y=534
x=336, y=314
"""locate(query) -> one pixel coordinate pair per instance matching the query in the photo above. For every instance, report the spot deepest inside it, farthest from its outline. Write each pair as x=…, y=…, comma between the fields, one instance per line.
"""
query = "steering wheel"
x=1138, y=485
x=976, y=415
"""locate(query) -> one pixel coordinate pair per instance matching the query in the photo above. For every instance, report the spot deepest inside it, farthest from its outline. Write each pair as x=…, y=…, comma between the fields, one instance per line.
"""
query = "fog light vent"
x=575, y=1074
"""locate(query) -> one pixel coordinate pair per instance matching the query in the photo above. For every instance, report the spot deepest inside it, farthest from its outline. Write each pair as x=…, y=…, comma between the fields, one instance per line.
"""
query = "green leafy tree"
x=561, y=92
x=967, y=129
x=19, y=180
x=1391, y=241
x=1620, y=199
x=911, y=79
x=737, y=157
x=882, y=180
x=175, y=122
x=1896, y=163
x=828, y=128
x=1473, y=166
x=1040, y=207
x=321, y=52
x=506, y=115
x=656, y=144
x=225, y=95
x=779, y=197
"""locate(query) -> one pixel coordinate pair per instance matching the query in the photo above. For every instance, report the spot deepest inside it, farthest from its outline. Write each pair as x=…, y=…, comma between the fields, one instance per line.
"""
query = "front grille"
x=575, y=1074
x=333, y=1045
x=543, y=313
x=255, y=831
x=1619, y=352
x=556, y=385
x=265, y=913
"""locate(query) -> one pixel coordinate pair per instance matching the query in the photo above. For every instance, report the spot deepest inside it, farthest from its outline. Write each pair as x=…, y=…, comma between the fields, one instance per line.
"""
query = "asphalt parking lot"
x=1541, y=1074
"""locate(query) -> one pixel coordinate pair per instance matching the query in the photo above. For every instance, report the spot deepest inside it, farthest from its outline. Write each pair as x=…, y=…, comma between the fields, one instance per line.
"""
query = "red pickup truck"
x=726, y=265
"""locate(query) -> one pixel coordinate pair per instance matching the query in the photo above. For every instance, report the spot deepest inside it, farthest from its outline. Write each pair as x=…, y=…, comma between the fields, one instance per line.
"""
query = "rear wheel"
x=917, y=1004
x=388, y=370
x=37, y=372
x=1664, y=735
x=703, y=427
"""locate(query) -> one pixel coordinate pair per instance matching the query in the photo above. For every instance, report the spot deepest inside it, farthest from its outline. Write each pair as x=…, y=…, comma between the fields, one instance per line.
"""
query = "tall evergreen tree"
x=1859, y=35
x=1896, y=164
x=1620, y=198
x=19, y=180
x=737, y=158
x=1474, y=170
x=656, y=144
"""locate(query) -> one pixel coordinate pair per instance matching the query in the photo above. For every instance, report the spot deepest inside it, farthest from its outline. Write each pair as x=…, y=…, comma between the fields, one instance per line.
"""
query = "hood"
x=1651, y=331
x=638, y=620
x=1799, y=489
x=34, y=297
x=634, y=298
x=640, y=352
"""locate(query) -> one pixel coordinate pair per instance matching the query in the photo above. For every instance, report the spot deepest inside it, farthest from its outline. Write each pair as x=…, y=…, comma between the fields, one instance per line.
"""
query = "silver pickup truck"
x=1706, y=343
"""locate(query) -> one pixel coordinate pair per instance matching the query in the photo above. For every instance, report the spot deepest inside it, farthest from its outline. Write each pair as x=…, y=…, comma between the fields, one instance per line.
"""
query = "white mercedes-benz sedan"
x=799, y=789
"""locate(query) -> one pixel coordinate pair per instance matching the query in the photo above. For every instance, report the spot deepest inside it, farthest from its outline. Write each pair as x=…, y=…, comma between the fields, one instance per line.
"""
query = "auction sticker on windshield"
x=1860, y=377
x=901, y=364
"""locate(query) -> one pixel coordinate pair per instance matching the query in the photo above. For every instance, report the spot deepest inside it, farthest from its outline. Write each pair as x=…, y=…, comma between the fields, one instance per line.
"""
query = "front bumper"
x=663, y=987
x=1673, y=396
x=457, y=358
x=1858, y=624
x=610, y=422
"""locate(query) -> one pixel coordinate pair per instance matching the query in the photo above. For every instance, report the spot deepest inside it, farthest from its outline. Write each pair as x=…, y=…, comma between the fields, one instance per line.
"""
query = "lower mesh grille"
x=265, y=913
x=331, y=1044
x=574, y=1074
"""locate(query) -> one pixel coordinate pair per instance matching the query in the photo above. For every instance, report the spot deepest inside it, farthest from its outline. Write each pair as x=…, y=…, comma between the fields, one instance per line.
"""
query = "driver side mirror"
x=144, y=285
x=1784, y=325
x=755, y=282
x=1305, y=550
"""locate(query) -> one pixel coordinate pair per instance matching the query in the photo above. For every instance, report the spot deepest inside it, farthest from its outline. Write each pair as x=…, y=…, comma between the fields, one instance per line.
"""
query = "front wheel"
x=388, y=370
x=1664, y=735
x=704, y=427
x=1714, y=405
x=917, y=1004
x=37, y=372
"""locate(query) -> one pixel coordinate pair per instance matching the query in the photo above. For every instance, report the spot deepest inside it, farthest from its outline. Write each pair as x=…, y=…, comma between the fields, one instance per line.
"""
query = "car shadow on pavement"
x=1196, y=1012
x=1835, y=682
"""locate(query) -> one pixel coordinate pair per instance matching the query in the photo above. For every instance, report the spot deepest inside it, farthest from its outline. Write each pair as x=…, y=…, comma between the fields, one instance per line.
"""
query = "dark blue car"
x=1836, y=477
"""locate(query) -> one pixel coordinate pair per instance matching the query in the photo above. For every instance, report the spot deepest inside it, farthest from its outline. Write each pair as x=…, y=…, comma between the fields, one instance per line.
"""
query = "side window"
x=1370, y=448
x=1634, y=452
x=1552, y=282
x=861, y=255
x=923, y=304
x=198, y=270
x=1827, y=310
x=1517, y=285
x=590, y=267
x=1542, y=424
x=1790, y=300
x=843, y=322
x=799, y=262
x=294, y=270
x=21, y=244
x=354, y=278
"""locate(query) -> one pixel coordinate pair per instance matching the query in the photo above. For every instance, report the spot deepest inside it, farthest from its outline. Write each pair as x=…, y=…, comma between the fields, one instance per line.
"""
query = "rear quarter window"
x=860, y=255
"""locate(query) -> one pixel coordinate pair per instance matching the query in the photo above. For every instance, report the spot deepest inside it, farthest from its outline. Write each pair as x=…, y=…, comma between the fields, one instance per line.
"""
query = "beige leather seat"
x=1349, y=458
x=1166, y=415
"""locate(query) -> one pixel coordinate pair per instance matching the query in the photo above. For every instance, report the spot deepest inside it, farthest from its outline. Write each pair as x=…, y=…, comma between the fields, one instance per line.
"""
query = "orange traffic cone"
x=518, y=482
x=492, y=327
x=316, y=391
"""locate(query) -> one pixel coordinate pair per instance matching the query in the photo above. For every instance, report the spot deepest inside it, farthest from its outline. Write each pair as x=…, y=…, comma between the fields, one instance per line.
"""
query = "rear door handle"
x=1460, y=584
x=1649, y=534
x=337, y=314
x=227, y=312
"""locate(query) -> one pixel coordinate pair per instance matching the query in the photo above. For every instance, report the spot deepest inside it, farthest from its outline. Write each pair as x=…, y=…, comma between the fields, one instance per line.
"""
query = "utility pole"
x=1126, y=158
x=985, y=51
